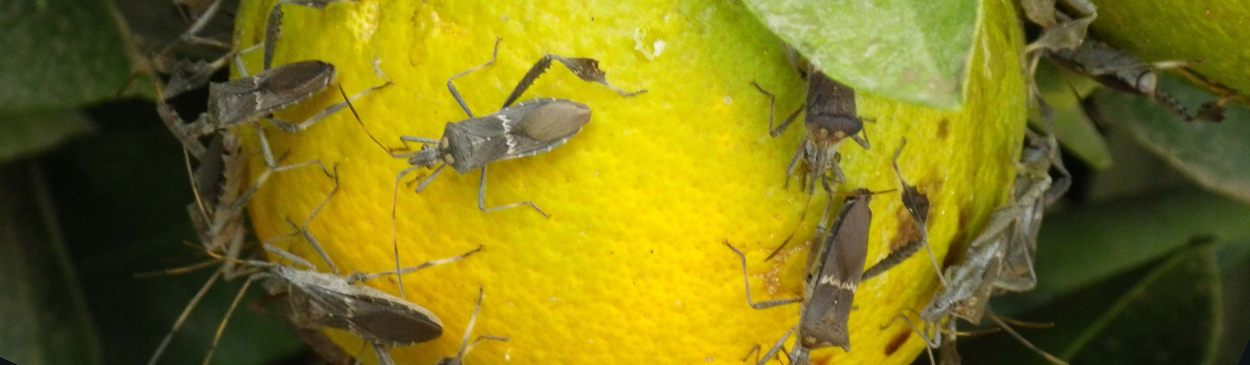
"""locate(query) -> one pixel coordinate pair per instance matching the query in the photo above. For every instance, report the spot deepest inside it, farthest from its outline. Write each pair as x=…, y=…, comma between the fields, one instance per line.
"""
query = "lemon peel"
x=630, y=267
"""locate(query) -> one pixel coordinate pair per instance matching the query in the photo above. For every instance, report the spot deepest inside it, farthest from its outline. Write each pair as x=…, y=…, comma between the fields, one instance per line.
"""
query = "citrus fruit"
x=630, y=267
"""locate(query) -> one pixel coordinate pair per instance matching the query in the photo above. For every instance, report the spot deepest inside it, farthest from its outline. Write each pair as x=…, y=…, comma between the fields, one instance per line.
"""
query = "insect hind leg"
x=291, y=127
x=452, y=87
x=586, y=69
x=745, y=280
x=481, y=199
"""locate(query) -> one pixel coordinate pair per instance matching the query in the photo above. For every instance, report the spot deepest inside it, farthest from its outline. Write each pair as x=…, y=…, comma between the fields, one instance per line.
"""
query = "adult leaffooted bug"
x=317, y=300
x=831, y=117
x=1119, y=70
x=465, y=345
x=833, y=274
x=980, y=274
x=248, y=100
x=516, y=131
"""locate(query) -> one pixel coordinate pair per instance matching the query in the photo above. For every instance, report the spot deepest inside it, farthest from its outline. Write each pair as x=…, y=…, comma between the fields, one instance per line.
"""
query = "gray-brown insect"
x=1119, y=70
x=316, y=300
x=981, y=273
x=834, y=271
x=831, y=117
x=248, y=100
x=217, y=213
x=516, y=131
x=465, y=345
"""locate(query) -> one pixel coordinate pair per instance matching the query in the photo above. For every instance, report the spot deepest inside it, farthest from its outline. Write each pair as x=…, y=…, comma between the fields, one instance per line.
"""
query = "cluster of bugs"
x=304, y=296
x=999, y=260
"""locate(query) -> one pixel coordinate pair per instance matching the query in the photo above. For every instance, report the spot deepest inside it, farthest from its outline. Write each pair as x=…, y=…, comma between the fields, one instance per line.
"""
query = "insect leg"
x=178, y=127
x=1046, y=355
x=273, y=163
x=481, y=199
x=291, y=127
x=183, y=317
x=755, y=350
x=452, y=87
x=293, y=258
x=308, y=237
x=800, y=154
x=360, y=277
x=779, y=346
x=176, y=270
x=384, y=356
x=273, y=28
x=208, y=358
x=586, y=69
x=394, y=230
x=894, y=258
x=772, y=100
x=747, y=281
x=465, y=345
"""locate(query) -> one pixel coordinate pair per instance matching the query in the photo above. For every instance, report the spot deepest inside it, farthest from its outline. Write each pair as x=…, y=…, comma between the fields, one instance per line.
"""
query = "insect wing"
x=827, y=309
x=244, y=100
x=522, y=130
x=826, y=96
x=391, y=322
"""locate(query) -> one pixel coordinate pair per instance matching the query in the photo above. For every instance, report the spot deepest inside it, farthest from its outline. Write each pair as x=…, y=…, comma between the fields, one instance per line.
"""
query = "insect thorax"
x=829, y=129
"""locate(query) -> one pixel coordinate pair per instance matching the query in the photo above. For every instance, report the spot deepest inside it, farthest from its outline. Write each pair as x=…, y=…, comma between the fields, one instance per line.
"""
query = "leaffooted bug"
x=525, y=129
x=984, y=268
x=316, y=300
x=833, y=274
x=248, y=100
x=831, y=117
x=1119, y=70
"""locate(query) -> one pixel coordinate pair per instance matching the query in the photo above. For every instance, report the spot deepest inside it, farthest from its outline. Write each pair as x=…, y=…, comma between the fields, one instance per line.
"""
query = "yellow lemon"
x=630, y=268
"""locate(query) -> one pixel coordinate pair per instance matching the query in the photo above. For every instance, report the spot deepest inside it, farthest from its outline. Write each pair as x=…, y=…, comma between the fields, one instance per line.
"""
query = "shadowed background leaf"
x=60, y=53
x=1213, y=155
x=44, y=314
x=29, y=132
x=1167, y=312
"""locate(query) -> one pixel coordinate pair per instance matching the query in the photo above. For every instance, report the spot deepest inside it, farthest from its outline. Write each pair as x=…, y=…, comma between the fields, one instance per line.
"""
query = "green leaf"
x=1063, y=90
x=1211, y=32
x=125, y=190
x=1168, y=311
x=44, y=313
x=60, y=53
x=1181, y=296
x=915, y=51
x=27, y=132
x=1215, y=155
x=1084, y=245
x=1136, y=171
x=1235, y=273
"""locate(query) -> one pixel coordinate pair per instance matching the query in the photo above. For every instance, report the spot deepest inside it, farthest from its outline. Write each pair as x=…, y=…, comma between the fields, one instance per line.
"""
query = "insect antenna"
x=389, y=151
